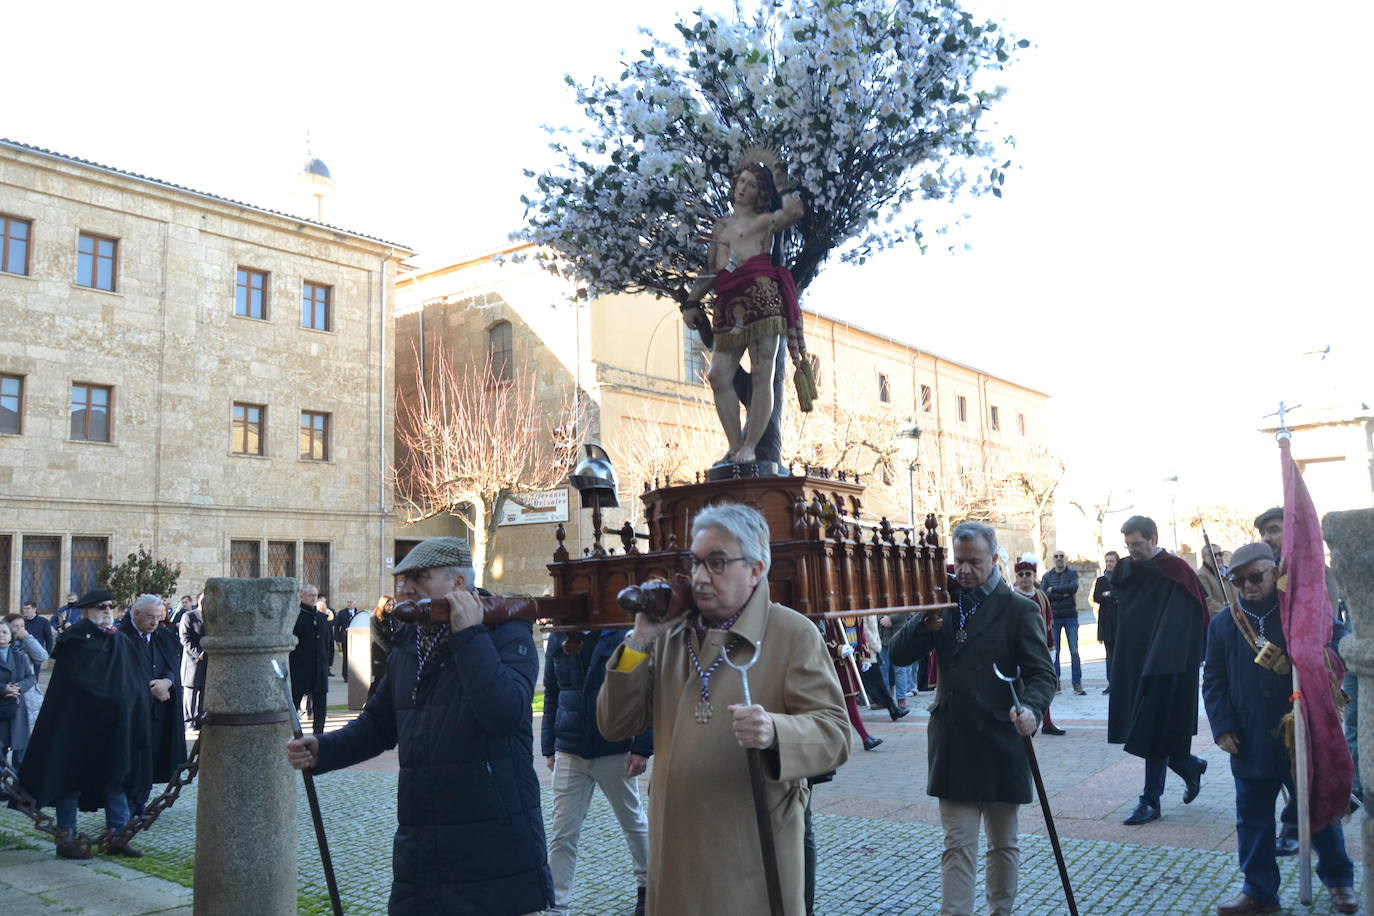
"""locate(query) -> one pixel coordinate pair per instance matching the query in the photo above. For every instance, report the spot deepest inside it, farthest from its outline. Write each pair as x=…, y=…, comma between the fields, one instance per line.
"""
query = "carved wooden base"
x=827, y=559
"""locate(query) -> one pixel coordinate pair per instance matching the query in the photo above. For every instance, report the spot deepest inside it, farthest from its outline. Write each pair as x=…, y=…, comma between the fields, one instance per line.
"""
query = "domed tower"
x=316, y=187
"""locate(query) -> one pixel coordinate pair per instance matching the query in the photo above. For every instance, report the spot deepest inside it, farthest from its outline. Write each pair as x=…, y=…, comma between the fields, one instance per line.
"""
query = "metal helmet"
x=594, y=478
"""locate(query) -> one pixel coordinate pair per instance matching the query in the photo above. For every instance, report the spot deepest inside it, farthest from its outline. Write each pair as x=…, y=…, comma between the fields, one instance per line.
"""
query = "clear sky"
x=1188, y=215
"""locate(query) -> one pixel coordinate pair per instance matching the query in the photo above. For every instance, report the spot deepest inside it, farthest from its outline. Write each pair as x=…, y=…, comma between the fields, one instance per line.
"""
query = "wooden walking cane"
x=1040, y=790
x=312, y=798
x=767, y=844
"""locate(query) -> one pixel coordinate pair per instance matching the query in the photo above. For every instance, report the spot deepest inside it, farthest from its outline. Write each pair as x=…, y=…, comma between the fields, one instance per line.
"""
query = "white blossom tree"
x=872, y=104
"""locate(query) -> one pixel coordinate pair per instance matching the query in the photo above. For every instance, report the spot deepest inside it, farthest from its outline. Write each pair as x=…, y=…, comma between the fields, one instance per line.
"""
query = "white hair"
x=744, y=523
x=143, y=601
x=968, y=531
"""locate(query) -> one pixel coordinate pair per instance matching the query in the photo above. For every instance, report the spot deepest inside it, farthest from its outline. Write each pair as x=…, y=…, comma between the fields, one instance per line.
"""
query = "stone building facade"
x=637, y=375
x=200, y=376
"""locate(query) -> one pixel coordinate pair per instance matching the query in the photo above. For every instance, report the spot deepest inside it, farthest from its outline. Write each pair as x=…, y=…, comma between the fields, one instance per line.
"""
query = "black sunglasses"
x=1253, y=578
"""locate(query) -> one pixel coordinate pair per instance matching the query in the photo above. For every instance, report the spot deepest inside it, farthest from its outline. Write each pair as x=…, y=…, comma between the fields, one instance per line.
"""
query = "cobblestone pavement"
x=877, y=832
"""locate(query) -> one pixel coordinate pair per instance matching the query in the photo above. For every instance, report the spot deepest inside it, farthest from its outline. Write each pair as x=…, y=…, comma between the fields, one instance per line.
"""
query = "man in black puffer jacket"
x=455, y=701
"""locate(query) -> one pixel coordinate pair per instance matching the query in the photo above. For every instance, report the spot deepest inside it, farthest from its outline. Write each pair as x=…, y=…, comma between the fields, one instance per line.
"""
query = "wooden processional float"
x=827, y=560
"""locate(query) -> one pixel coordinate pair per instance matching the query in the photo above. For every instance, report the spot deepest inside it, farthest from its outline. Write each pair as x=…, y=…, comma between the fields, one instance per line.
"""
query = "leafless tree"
x=1097, y=513
x=469, y=438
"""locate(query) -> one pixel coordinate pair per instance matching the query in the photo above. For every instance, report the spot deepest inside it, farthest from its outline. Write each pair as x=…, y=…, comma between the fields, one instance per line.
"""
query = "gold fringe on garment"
x=739, y=338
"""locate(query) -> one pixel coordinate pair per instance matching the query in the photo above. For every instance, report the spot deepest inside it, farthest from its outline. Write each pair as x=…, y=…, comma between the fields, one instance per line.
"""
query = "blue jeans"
x=1351, y=686
x=1068, y=626
x=116, y=810
x=1255, y=842
x=901, y=677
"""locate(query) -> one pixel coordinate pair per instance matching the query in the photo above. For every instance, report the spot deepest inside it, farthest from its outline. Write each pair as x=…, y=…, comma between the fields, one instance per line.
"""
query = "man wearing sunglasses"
x=91, y=745
x=704, y=855
x=1247, y=696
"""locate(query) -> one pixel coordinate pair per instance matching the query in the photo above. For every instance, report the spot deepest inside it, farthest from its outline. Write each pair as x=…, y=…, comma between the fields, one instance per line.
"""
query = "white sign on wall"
x=535, y=508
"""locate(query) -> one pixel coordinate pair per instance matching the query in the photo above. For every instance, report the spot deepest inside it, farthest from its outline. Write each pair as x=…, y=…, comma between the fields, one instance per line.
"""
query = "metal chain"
x=28, y=806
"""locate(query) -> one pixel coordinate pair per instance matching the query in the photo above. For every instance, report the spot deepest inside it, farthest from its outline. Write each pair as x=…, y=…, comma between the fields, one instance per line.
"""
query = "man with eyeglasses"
x=1160, y=627
x=1061, y=587
x=90, y=748
x=1246, y=685
x=1210, y=575
x=704, y=855
x=455, y=703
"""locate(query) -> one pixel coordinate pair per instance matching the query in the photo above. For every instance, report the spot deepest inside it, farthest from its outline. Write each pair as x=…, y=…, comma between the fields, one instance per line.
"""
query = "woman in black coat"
x=383, y=628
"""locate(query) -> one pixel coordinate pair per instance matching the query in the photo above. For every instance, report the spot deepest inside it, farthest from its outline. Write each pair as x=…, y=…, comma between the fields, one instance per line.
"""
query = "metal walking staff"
x=311, y=797
x=1040, y=790
x=767, y=844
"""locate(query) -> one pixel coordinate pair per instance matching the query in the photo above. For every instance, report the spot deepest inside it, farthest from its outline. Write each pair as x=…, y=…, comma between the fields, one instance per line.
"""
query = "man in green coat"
x=977, y=760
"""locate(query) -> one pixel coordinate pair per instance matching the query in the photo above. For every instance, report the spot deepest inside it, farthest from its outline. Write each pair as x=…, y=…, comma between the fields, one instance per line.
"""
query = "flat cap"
x=94, y=597
x=1249, y=554
x=432, y=552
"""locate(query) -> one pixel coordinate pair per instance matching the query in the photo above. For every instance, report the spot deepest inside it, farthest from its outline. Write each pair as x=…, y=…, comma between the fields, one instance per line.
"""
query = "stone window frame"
x=256, y=568
x=109, y=412
x=7, y=221
x=310, y=435
x=239, y=271
x=18, y=399
x=694, y=361
x=233, y=429
x=312, y=576
x=994, y=417
x=961, y=407
x=309, y=291
x=1021, y=423
x=75, y=560
x=927, y=399
x=96, y=256
x=884, y=389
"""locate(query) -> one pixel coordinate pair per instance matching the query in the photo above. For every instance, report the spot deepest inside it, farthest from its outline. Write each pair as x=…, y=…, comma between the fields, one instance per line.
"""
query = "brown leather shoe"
x=72, y=851
x=1343, y=900
x=127, y=851
x=1244, y=905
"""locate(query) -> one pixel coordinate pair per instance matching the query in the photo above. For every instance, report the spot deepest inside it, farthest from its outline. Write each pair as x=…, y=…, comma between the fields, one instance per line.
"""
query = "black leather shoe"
x=1285, y=846
x=898, y=713
x=1245, y=905
x=871, y=742
x=1052, y=730
x=1142, y=814
x=1192, y=787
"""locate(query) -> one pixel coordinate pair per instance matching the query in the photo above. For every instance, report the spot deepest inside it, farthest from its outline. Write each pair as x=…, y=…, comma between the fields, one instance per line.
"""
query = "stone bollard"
x=246, y=802
x=1350, y=536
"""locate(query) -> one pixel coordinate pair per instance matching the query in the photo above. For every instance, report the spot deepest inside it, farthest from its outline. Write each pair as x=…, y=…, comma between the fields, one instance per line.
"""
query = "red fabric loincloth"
x=755, y=300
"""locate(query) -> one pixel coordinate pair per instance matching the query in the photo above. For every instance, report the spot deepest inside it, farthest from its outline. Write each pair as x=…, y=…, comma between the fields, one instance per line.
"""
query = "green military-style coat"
x=974, y=751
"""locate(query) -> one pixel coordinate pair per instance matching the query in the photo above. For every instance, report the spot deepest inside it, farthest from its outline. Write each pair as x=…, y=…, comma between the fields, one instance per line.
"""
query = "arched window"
x=499, y=351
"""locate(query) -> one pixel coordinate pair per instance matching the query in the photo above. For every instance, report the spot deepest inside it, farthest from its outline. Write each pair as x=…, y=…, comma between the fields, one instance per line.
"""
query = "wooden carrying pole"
x=1303, y=789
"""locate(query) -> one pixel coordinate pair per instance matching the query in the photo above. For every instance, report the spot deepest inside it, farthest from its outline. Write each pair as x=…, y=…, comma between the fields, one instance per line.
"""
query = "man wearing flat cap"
x=90, y=746
x=456, y=704
x=1246, y=684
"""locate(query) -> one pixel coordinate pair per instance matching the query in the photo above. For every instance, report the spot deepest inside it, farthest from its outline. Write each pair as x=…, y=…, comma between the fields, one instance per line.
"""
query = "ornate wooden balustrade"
x=827, y=559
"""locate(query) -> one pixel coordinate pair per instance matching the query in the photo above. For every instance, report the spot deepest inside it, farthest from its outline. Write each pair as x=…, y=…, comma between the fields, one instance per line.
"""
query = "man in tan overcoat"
x=704, y=854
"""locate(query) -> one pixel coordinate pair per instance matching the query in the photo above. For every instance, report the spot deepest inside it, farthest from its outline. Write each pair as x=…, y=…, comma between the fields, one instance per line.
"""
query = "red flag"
x=1306, y=614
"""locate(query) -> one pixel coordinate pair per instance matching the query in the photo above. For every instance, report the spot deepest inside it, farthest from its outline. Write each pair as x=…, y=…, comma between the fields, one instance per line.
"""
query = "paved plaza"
x=877, y=833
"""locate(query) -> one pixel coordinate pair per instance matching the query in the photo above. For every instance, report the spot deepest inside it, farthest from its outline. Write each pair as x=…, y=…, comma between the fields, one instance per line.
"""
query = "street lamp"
x=909, y=447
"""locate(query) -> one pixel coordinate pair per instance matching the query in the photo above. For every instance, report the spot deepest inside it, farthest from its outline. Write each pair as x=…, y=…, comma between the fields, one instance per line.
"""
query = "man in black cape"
x=312, y=658
x=89, y=748
x=159, y=651
x=1161, y=625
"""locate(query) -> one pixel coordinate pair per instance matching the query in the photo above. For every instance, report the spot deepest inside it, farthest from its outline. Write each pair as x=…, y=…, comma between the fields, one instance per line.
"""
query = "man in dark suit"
x=311, y=658
x=190, y=631
x=977, y=761
x=1246, y=701
x=159, y=652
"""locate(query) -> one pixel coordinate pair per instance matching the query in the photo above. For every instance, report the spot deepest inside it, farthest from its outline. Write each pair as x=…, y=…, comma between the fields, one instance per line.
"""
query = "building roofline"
x=204, y=195
x=486, y=257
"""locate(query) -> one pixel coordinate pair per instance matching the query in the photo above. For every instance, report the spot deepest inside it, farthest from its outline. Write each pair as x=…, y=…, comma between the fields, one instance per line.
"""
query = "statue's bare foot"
x=744, y=456
x=727, y=458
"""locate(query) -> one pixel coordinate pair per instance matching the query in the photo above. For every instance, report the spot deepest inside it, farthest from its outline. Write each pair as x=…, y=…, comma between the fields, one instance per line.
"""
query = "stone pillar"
x=1350, y=535
x=246, y=801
